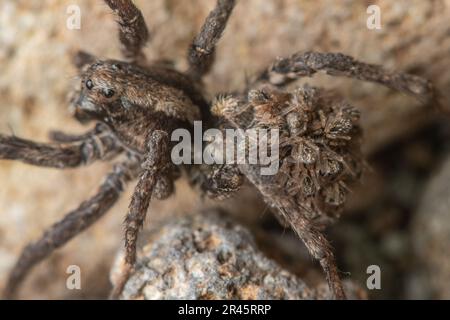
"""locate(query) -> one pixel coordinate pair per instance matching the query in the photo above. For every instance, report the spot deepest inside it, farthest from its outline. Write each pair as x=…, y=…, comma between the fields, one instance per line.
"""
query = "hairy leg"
x=201, y=51
x=133, y=32
x=154, y=167
x=93, y=146
x=320, y=249
x=291, y=213
x=306, y=64
x=73, y=223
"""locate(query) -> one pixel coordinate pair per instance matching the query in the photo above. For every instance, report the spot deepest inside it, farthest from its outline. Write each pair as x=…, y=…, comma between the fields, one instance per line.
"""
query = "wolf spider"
x=137, y=104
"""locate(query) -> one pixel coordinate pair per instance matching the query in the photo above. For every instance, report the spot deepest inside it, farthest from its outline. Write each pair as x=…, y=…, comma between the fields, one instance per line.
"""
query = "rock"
x=208, y=256
x=431, y=238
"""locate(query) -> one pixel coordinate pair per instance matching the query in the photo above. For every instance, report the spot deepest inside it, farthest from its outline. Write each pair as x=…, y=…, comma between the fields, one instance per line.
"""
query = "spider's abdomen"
x=318, y=151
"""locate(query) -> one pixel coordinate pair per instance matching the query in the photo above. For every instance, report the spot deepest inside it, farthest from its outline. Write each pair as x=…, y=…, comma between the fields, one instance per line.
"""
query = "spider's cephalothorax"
x=135, y=101
x=137, y=105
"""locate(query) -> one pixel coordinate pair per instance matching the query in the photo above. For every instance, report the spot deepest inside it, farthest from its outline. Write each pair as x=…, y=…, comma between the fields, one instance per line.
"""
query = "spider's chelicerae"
x=137, y=105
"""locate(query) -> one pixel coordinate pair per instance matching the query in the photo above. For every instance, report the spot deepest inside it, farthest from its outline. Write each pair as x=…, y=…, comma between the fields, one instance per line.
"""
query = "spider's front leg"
x=73, y=223
x=156, y=167
x=202, y=50
x=306, y=64
x=133, y=31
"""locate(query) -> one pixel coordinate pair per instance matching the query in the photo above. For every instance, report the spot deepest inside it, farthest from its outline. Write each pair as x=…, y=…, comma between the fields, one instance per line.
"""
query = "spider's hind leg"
x=306, y=64
x=133, y=31
x=202, y=50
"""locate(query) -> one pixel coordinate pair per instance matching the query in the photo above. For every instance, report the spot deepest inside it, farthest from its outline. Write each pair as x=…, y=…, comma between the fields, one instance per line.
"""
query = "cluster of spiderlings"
x=319, y=138
x=319, y=145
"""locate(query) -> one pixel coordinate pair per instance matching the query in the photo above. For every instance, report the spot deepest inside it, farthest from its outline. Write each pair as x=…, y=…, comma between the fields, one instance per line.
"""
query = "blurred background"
x=398, y=218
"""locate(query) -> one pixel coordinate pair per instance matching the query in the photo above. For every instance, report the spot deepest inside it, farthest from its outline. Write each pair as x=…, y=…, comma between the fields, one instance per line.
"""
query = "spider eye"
x=116, y=67
x=108, y=93
x=89, y=84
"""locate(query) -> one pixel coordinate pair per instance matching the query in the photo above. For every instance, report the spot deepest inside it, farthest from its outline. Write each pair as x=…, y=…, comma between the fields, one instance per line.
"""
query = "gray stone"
x=211, y=257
